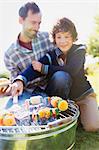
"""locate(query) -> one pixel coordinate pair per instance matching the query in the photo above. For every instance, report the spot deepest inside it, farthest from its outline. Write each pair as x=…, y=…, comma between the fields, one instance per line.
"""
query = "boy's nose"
x=63, y=40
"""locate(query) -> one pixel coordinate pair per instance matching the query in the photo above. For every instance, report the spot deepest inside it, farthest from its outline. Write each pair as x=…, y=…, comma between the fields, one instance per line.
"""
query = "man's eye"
x=33, y=22
x=58, y=37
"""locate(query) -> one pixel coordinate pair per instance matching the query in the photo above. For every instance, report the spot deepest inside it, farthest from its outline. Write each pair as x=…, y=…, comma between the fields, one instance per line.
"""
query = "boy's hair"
x=23, y=11
x=64, y=25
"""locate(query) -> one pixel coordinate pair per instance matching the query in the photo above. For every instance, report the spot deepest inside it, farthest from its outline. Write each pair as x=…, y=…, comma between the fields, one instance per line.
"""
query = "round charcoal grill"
x=57, y=135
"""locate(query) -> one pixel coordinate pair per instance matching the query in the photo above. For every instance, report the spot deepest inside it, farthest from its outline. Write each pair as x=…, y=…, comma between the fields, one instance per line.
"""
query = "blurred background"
x=84, y=13
x=81, y=12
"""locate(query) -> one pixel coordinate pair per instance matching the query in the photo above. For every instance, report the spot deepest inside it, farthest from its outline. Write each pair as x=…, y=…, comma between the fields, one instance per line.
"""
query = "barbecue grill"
x=59, y=135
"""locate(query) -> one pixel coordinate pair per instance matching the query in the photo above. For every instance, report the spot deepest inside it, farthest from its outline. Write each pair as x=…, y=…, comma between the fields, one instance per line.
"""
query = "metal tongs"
x=15, y=100
x=15, y=107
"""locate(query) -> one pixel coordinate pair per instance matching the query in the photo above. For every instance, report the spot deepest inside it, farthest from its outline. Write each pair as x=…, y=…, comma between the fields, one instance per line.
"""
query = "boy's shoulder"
x=77, y=47
x=43, y=34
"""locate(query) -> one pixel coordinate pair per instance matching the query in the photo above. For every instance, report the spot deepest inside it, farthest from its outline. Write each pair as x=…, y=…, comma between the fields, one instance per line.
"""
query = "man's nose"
x=37, y=26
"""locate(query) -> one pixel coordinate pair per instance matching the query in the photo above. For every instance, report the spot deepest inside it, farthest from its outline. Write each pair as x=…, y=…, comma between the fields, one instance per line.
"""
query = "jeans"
x=58, y=85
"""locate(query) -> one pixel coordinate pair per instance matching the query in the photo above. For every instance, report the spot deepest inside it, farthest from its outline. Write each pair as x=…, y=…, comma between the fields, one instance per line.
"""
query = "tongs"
x=15, y=100
x=15, y=107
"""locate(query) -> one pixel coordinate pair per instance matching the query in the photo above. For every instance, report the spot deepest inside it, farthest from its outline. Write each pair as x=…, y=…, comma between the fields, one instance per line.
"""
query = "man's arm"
x=10, y=65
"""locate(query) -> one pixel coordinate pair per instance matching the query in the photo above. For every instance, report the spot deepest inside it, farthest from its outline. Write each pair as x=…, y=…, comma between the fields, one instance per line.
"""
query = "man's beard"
x=31, y=36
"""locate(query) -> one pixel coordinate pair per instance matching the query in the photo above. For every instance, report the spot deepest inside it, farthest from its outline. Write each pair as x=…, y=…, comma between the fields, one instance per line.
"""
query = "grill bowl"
x=41, y=137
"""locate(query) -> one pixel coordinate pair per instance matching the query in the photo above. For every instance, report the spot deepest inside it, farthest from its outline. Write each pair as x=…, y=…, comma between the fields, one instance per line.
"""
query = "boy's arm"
x=73, y=65
x=30, y=74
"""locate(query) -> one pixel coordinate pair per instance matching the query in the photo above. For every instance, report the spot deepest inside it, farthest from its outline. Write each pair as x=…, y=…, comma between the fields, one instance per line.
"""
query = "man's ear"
x=21, y=20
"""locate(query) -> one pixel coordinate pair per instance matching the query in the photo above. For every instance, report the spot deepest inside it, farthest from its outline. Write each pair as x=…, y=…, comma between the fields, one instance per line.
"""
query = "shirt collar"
x=58, y=52
x=37, y=36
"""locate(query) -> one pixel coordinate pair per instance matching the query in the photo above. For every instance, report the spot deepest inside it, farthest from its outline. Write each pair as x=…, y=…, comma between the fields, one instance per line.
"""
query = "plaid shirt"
x=17, y=58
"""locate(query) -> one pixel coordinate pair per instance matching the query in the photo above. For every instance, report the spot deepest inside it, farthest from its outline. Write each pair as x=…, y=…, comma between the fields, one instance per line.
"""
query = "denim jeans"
x=58, y=85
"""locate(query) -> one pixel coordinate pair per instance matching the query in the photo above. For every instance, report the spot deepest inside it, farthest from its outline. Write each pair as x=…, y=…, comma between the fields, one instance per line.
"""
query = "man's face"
x=31, y=24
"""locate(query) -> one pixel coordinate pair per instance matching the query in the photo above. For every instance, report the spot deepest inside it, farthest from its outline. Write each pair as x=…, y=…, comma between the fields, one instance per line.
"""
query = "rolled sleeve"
x=22, y=78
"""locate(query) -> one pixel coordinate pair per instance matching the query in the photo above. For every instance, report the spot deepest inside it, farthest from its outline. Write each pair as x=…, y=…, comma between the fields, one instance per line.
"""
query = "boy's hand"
x=16, y=88
x=37, y=65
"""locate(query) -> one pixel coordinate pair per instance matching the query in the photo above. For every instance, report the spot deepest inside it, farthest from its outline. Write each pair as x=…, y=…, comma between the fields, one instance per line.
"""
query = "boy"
x=64, y=65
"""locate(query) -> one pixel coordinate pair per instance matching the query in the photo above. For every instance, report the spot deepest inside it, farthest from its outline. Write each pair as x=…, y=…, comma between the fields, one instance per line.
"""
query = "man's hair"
x=23, y=11
x=64, y=25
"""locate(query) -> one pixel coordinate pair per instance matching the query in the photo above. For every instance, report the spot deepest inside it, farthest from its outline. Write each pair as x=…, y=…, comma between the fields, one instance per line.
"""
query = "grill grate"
x=71, y=114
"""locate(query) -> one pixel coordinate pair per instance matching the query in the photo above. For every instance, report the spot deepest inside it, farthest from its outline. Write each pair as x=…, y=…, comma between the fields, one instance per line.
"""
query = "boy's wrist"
x=44, y=69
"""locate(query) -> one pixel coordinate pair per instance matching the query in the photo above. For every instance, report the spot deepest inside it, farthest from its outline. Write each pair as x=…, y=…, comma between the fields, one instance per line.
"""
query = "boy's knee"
x=91, y=127
x=61, y=78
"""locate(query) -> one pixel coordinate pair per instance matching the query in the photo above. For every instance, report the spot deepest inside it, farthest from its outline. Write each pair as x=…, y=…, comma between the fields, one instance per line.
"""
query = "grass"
x=89, y=140
x=86, y=140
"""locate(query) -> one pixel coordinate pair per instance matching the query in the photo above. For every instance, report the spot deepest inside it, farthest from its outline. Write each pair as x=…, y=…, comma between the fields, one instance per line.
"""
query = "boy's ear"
x=20, y=20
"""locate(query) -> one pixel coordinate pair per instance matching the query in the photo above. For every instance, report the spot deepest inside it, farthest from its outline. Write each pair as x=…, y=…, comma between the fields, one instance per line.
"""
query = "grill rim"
x=42, y=135
x=42, y=128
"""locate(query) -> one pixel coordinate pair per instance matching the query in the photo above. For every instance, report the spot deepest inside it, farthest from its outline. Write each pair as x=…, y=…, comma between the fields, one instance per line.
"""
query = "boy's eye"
x=67, y=37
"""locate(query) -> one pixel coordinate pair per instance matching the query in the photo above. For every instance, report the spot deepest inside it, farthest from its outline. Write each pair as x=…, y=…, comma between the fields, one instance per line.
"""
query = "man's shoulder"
x=43, y=34
x=11, y=48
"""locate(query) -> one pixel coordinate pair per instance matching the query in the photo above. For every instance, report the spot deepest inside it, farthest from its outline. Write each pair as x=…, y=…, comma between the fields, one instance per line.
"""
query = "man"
x=31, y=45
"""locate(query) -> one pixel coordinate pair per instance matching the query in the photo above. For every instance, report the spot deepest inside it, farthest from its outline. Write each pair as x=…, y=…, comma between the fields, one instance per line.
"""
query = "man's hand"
x=3, y=91
x=37, y=65
x=16, y=88
x=4, y=84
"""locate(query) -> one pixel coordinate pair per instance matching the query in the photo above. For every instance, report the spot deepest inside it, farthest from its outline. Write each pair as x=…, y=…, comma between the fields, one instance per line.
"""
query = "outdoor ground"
x=86, y=140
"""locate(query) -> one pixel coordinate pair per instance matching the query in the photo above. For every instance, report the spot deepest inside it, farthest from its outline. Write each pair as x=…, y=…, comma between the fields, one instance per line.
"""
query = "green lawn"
x=86, y=140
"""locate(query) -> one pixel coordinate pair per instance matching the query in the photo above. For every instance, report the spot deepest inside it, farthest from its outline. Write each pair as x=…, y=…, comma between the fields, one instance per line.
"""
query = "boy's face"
x=31, y=24
x=64, y=41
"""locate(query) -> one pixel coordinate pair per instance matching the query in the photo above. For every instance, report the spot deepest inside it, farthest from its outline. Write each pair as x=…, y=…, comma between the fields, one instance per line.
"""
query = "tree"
x=93, y=43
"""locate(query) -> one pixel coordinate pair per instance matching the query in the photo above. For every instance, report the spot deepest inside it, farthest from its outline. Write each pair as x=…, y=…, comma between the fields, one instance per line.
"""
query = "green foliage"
x=93, y=43
x=92, y=69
